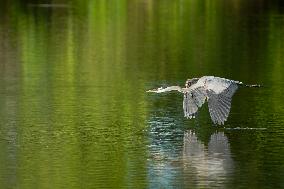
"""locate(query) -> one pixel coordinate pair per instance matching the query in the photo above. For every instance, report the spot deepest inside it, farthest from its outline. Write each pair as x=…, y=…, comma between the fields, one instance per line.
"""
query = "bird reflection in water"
x=210, y=164
x=188, y=159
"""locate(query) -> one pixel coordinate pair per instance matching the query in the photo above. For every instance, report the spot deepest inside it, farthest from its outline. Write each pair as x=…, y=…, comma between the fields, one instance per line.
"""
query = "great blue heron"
x=217, y=91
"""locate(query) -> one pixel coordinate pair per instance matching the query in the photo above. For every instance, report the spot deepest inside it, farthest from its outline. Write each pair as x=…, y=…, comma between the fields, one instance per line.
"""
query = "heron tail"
x=255, y=85
x=247, y=85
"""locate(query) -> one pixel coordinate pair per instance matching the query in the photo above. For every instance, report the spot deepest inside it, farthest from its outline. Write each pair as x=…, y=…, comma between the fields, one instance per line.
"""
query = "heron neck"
x=173, y=88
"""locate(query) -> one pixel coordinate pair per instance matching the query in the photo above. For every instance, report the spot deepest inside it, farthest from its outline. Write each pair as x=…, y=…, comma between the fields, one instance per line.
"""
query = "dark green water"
x=73, y=107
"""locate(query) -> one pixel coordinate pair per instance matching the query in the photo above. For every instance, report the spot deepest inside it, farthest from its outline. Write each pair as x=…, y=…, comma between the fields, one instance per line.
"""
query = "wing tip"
x=190, y=116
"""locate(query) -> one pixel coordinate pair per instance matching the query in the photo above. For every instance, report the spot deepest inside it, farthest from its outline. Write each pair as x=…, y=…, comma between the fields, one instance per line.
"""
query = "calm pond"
x=74, y=112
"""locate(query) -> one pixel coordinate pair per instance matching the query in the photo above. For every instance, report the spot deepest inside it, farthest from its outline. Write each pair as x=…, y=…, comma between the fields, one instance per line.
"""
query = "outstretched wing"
x=219, y=100
x=192, y=100
x=189, y=106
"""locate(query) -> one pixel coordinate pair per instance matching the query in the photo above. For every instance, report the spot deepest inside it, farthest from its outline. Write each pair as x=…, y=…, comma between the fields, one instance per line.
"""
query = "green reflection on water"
x=73, y=107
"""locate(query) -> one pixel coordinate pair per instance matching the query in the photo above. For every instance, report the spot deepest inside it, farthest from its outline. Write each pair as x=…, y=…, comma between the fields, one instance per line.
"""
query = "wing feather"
x=220, y=103
x=218, y=91
x=193, y=100
x=189, y=106
x=216, y=113
x=199, y=96
x=224, y=112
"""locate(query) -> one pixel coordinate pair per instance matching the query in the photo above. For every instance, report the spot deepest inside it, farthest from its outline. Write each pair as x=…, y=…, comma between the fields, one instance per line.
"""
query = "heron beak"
x=152, y=91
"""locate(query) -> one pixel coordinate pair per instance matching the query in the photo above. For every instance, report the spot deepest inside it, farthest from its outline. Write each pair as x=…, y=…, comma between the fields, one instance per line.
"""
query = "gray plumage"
x=217, y=91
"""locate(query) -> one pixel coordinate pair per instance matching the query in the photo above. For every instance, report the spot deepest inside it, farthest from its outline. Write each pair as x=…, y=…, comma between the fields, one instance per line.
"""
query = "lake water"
x=74, y=112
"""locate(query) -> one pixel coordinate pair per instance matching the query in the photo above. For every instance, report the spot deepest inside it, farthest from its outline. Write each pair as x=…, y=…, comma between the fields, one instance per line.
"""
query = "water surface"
x=73, y=107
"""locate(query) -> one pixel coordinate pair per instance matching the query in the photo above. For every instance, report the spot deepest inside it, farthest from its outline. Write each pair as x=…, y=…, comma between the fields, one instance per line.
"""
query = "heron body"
x=218, y=92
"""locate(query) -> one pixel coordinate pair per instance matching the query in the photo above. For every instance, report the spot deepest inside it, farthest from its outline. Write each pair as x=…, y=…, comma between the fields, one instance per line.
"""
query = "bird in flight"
x=217, y=91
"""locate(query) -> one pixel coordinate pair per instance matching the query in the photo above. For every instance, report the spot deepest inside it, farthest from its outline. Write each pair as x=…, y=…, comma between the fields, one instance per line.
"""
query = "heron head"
x=190, y=82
